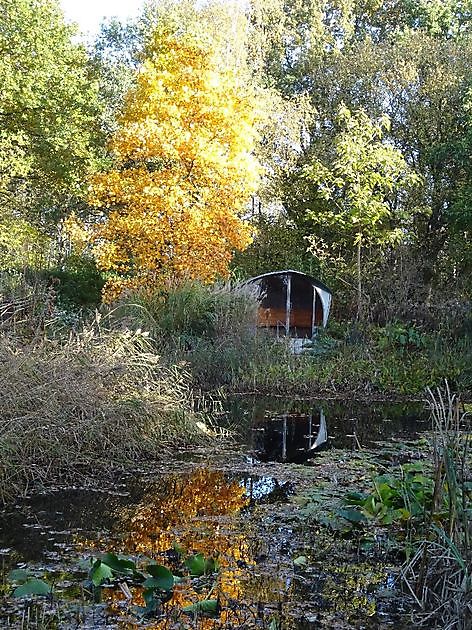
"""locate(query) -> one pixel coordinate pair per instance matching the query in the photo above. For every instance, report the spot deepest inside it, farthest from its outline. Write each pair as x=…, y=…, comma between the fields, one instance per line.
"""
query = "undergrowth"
x=86, y=404
x=365, y=366
x=211, y=330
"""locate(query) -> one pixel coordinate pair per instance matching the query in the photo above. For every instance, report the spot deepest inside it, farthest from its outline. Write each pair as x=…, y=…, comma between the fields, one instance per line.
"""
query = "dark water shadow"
x=293, y=431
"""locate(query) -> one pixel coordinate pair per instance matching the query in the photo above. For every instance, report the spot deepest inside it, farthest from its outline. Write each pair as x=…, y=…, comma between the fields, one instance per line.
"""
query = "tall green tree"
x=356, y=186
x=408, y=59
x=49, y=132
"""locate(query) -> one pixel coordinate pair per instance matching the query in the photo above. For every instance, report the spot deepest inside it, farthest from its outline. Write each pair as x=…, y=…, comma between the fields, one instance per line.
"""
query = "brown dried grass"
x=96, y=401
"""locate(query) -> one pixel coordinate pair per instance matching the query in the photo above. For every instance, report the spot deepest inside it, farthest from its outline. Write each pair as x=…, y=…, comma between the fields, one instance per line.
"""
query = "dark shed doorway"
x=291, y=303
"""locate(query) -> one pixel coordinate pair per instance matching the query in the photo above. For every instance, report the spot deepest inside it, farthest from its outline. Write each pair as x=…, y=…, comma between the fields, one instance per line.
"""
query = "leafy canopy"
x=184, y=169
x=363, y=173
x=48, y=111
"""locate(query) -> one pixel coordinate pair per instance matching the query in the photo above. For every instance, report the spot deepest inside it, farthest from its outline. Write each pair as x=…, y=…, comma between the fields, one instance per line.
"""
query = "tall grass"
x=95, y=401
x=439, y=575
x=212, y=330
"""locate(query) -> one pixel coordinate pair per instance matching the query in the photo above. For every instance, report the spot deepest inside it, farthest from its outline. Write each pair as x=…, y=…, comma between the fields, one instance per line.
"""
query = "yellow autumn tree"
x=184, y=170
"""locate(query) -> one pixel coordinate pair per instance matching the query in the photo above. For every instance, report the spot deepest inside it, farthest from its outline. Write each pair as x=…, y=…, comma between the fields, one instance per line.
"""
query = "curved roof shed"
x=291, y=302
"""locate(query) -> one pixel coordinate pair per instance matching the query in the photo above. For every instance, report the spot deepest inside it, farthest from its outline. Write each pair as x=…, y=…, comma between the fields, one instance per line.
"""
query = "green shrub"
x=78, y=284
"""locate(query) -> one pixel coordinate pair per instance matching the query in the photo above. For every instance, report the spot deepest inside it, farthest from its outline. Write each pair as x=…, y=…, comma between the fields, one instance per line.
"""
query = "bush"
x=78, y=285
x=95, y=401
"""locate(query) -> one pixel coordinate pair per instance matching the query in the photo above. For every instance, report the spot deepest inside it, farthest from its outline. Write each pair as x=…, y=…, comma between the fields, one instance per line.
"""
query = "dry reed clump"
x=98, y=400
x=439, y=576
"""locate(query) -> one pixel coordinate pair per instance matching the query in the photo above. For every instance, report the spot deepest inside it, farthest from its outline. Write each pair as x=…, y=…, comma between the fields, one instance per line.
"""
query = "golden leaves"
x=184, y=171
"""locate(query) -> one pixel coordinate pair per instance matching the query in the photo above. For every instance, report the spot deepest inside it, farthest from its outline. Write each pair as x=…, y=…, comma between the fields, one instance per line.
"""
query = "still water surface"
x=240, y=517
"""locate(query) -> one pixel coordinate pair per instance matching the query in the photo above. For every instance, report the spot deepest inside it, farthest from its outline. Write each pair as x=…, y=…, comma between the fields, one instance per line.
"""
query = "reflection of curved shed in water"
x=291, y=302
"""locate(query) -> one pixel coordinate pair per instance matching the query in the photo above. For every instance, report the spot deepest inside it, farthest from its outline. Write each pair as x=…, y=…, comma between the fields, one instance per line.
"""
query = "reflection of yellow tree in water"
x=193, y=511
x=197, y=512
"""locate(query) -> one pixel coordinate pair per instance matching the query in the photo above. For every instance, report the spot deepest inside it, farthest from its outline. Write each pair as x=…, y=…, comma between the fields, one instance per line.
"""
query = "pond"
x=293, y=430
x=236, y=507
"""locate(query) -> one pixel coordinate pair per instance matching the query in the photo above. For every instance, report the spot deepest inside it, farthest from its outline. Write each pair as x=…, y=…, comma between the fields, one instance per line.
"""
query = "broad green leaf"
x=155, y=583
x=119, y=565
x=204, y=606
x=32, y=587
x=196, y=564
x=100, y=572
x=18, y=575
x=352, y=515
x=161, y=576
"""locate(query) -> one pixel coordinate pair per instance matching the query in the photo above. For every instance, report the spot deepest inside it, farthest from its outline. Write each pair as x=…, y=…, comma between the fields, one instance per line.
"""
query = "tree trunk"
x=359, y=278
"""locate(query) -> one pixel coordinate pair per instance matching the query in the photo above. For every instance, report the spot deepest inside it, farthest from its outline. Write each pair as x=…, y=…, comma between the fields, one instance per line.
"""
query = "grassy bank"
x=212, y=330
x=366, y=368
x=87, y=405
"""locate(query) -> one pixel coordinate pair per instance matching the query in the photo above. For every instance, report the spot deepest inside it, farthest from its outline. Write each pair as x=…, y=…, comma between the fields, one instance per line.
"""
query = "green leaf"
x=118, y=565
x=203, y=606
x=18, y=575
x=355, y=498
x=385, y=492
x=149, y=597
x=32, y=587
x=352, y=515
x=196, y=564
x=100, y=572
x=161, y=577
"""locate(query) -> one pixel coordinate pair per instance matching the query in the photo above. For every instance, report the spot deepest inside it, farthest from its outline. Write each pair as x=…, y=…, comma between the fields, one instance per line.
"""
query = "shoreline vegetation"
x=86, y=394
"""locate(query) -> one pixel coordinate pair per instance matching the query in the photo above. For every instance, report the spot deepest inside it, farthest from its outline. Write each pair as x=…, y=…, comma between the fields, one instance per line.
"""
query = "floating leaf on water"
x=32, y=587
x=161, y=577
x=18, y=575
x=354, y=516
x=203, y=606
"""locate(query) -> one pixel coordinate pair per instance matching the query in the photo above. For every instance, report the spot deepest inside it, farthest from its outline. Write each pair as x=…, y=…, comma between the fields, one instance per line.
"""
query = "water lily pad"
x=204, y=606
x=161, y=578
x=32, y=587
x=18, y=575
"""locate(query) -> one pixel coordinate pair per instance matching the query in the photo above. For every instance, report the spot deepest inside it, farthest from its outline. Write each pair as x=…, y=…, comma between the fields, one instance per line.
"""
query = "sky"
x=89, y=13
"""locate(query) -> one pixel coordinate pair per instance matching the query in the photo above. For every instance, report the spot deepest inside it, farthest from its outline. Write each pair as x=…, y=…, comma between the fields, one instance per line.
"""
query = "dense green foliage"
x=401, y=62
x=48, y=113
